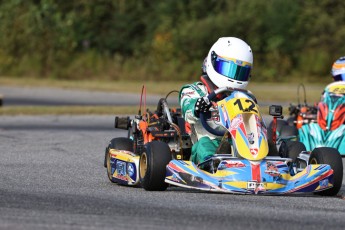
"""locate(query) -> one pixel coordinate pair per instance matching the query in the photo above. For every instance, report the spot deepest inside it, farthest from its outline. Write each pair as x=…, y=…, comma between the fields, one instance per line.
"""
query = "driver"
x=228, y=64
x=338, y=69
x=338, y=74
x=331, y=106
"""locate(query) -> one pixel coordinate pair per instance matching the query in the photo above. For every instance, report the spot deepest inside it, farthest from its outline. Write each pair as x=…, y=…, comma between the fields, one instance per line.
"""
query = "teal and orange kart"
x=320, y=125
x=253, y=164
x=329, y=128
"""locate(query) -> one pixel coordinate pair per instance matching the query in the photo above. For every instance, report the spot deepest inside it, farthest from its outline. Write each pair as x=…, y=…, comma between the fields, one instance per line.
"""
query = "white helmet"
x=338, y=69
x=229, y=63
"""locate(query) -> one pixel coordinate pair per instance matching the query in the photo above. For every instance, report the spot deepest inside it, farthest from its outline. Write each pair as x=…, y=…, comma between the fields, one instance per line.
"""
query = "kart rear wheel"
x=120, y=143
x=152, y=166
x=290, y=121
x=291, y=149
x=330, y=156
x=288, y=131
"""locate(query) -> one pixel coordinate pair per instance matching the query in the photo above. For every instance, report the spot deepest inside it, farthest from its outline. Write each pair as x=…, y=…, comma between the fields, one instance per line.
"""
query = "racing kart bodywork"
x=234, y=175
x=252, y=166
x=123, y=167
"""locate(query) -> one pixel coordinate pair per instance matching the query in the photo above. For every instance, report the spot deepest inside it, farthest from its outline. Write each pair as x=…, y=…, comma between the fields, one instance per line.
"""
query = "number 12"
x=249, y=109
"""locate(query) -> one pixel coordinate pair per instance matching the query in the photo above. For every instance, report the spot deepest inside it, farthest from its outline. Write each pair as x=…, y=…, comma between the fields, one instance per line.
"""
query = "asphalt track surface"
x=52, y=177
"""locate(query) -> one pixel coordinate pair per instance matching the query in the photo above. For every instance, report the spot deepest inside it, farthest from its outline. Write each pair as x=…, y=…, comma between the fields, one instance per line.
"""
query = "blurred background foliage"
x=167, y=40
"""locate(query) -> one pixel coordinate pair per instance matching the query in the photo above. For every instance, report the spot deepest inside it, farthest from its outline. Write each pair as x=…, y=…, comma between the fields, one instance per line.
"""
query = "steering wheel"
x=212, y=97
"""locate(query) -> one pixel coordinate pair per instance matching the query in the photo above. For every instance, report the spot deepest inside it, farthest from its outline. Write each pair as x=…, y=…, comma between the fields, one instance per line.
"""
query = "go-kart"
x=252, y=166
x=318, y=125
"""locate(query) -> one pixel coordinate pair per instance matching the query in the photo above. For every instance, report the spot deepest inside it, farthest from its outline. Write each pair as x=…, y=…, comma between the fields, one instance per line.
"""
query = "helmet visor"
x=231, y=68
x=339, y=77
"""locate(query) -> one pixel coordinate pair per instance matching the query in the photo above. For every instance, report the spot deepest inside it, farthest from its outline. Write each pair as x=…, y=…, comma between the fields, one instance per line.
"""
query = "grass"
x=84, y=110
x=70, y=110
x=265, y=92
x=161, y=88
x=286, y=92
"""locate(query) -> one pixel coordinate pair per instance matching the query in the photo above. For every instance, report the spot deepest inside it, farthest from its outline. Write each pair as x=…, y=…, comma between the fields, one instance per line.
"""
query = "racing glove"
x=202, y=105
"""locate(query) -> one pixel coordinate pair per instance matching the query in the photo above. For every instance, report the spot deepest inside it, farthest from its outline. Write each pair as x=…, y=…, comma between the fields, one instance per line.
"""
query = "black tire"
x=290, y=121
x=330, y=156
x=107, y=162
x=272, y=149
x=121, y=143
x=152, y=166
x=291, y=149
x=280, y=124
x=288, y=131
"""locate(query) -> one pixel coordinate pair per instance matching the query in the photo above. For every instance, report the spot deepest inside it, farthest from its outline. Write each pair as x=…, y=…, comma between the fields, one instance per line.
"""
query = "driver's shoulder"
x=197, y=88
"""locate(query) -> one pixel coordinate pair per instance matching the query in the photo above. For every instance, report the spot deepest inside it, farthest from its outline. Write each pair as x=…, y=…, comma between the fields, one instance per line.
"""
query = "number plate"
x=237, y=106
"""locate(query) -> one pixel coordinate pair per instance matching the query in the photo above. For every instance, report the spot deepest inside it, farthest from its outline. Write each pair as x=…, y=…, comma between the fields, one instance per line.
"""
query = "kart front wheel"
x=120, y=143
x=330, y=156
x=291, y=149
x=152, y=166
x=108, y=165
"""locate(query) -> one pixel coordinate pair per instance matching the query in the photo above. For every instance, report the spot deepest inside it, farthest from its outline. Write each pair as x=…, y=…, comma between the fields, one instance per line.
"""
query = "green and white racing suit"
x=205, y=144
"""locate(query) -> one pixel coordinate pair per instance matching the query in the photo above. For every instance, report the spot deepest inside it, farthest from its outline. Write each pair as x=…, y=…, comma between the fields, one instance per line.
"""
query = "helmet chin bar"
x=237, y=82
x=228, y=82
